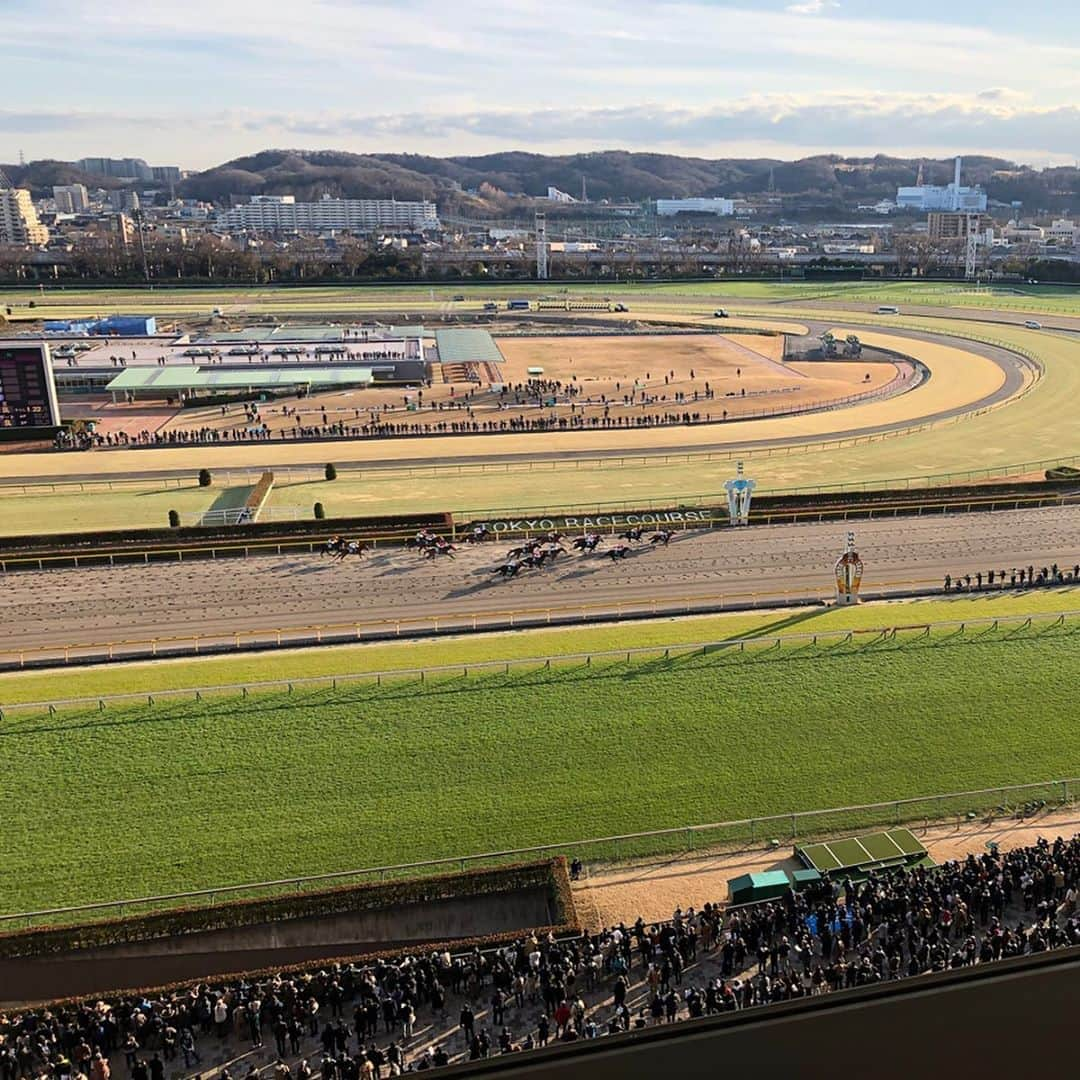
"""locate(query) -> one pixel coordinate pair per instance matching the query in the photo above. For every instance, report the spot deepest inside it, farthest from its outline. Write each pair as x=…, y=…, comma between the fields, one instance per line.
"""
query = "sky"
x=203, y=81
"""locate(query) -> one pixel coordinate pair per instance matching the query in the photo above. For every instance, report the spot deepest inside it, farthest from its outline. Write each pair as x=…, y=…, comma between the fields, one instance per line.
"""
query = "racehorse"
x=354, y=547
x=421, y=541
x=333, y=543
x=634, y=534
x=662, y=537
x=440, y=547
x=528, y=548
x=478, y=535
x=553, y=537
x=620, y=551
x=508, y=569
x=588, y=542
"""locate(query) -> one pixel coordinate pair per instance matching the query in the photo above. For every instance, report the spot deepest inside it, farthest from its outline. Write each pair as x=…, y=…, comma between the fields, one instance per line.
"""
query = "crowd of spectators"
x=418, y=1012
x=1018, y=577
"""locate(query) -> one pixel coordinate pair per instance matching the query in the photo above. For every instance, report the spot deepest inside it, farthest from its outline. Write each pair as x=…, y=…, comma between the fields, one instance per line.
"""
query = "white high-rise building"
x=952, y=196
x=18, y=219
x=282, y=213
x=671, y=207
x=71, y=198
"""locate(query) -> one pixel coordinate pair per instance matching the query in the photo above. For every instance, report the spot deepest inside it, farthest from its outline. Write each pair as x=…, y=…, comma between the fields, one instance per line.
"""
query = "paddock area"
x=629, y=379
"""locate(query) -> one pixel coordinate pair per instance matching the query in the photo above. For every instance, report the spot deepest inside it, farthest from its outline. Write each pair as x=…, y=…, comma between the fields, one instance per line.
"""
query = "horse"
x=662, y=537
x=421, y=542
x=331, y=547
x=620, y=551
x=508, y=569
x=478, y=535
x=589, y=542
x=438, y=548
x=553, y=537
x=633, y=534
x=355, y=547
x=528, y=548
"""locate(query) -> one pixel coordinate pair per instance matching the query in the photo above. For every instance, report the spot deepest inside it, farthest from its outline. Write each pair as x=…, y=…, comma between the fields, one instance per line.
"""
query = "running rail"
x=44, y=656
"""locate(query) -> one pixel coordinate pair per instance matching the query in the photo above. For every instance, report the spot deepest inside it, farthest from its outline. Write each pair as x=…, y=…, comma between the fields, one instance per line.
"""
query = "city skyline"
x=709, y=79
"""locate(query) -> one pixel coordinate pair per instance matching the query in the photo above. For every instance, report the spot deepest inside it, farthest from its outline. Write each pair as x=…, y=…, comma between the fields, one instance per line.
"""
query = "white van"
x=888, y=310
x=1031, y=324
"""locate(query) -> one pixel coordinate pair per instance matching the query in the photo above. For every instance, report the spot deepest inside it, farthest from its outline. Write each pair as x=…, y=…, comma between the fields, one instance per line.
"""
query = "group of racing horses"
x=532, y=554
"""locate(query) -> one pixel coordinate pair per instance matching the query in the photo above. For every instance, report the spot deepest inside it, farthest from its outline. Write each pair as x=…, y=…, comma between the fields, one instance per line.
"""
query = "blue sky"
x=203, y=81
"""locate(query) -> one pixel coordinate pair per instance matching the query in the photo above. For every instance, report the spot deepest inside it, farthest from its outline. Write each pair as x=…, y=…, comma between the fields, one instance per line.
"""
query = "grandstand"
x=542, y=993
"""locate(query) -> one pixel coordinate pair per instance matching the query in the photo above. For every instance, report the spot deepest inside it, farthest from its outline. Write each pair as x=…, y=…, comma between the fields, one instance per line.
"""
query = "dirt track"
x=222, y=597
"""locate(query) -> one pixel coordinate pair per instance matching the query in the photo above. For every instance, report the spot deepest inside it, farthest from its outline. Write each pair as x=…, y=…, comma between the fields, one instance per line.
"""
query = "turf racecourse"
x=141, y=800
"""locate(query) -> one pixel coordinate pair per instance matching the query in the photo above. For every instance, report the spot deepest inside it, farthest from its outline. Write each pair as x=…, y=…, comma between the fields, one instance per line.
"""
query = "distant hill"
x=41, y=176
x=491, y=182
x=616, y=175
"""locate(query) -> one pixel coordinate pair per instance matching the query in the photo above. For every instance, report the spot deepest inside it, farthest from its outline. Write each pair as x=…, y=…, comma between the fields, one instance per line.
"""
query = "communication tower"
x=541, y=246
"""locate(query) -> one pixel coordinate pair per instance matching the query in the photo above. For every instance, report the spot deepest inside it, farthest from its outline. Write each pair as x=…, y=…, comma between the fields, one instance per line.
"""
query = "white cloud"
x=777, y=125
x=811, y=7
x=448, y=78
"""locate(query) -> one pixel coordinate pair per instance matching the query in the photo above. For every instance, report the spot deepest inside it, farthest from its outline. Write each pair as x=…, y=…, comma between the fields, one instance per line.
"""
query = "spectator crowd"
x=418, y=1012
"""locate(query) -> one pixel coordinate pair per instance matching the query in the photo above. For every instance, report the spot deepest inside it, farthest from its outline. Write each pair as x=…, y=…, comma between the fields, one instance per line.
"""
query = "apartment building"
x=18, y=219
x=282, y=213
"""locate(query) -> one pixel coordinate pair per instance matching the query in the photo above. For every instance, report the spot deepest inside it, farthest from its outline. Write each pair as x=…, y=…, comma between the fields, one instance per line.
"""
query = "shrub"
x=174, y=520
x=205, y=479
x=331, y=472
x=320, y=513
x=1063, y=472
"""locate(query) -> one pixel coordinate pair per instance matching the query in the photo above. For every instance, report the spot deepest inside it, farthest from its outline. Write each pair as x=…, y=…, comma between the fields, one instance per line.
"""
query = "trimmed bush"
x=174, y=520
x=320, y=513
x=1063, y=472
x=205, y=479
x=331, y=472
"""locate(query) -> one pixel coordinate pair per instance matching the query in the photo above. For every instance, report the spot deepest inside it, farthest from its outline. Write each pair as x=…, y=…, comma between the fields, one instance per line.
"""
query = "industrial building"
x=282, y=213
x=671, y=207
x=954, y=196
x=18, y=219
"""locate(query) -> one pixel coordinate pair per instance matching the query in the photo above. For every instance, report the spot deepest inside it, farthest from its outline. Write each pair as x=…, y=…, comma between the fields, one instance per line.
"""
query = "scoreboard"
x=27, y=387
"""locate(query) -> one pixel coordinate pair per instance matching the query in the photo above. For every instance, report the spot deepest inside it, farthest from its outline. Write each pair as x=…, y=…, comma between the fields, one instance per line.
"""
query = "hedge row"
x=176, y=922
x=135, y=539
x=259, y=493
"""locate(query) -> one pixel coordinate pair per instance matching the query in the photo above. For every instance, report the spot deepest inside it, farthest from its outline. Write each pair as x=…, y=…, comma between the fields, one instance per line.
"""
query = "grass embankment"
x=144, y=800
x=157, y=675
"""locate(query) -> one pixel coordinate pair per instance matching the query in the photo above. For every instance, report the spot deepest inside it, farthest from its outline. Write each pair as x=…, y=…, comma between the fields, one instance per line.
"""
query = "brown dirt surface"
x=744, y=372
x=653, y=888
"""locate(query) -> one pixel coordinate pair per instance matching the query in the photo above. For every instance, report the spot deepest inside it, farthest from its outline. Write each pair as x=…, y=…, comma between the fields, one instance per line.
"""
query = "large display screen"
x=27, y=387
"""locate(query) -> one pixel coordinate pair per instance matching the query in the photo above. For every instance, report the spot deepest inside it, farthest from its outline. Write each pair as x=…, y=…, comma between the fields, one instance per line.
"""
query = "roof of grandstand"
x=467, y=346
x=194, y=377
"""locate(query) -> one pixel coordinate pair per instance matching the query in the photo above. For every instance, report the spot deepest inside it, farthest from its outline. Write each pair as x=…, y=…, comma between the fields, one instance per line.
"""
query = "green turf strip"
x=148, y=676
x=143, y=800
